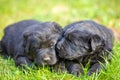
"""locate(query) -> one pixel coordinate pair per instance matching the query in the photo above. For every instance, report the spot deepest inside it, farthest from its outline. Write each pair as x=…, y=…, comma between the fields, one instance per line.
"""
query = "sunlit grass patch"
x=63, y=12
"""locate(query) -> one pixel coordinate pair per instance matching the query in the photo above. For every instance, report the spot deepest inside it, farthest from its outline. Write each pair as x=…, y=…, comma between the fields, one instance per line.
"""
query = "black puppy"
x=31, y=41
x=83, y=41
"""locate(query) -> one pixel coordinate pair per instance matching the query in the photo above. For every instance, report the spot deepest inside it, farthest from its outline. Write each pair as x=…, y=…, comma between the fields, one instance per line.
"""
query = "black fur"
x=31, y=41
x=83, y=41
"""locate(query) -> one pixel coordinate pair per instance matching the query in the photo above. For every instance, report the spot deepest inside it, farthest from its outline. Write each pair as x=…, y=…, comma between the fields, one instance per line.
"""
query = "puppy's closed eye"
x=47, y=45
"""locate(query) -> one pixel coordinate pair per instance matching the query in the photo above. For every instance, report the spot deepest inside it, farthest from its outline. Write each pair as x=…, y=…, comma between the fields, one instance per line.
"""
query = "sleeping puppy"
x=85, y=41
x=31, y=41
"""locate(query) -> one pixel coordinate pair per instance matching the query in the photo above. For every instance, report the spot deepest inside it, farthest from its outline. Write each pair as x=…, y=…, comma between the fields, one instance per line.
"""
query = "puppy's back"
x=93, y=28
x=20, y=26
x=13, y=33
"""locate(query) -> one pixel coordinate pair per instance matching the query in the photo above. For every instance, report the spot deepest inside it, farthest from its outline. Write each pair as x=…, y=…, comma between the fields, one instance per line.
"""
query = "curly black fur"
x=31, y=41
x=85, y=41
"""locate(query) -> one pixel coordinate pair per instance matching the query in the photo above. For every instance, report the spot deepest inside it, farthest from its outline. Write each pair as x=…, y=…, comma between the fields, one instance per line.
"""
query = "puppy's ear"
x=97, y=42
x=26, y=42
x=57, y=27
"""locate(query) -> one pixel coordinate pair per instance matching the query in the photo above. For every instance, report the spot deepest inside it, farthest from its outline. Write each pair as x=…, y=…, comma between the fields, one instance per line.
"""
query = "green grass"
x=64, y=12
x=8, y=71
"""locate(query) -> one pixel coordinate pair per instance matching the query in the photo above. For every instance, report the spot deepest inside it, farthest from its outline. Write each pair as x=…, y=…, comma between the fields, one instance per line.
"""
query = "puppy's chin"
x=51, y=62
x=43, y=63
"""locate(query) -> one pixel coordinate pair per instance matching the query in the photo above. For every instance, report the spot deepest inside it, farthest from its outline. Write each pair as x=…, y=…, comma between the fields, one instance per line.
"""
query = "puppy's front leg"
x=95, y=67
x=74, y=68
x=21, y=61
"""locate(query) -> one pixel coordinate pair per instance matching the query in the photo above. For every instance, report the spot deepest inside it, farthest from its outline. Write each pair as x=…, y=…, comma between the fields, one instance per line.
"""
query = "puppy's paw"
x=76, y=69
x=22, y=61
x=94, y=68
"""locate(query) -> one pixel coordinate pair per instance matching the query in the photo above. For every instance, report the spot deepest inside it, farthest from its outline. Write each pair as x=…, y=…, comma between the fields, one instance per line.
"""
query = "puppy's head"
x=77, y=43
x=39, y=45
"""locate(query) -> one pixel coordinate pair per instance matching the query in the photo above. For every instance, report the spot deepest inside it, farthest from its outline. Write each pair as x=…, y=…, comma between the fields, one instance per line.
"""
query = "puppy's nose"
x=46, y=59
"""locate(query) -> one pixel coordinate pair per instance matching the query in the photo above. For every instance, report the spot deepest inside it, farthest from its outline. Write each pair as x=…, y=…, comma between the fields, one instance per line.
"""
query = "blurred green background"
x=106, y=12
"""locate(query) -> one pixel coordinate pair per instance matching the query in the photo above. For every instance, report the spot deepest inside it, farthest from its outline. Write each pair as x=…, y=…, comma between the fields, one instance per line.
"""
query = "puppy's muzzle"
x=46, y=59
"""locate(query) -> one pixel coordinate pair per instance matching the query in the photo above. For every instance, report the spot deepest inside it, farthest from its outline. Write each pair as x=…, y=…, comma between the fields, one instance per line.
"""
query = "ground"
x=64, y=12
